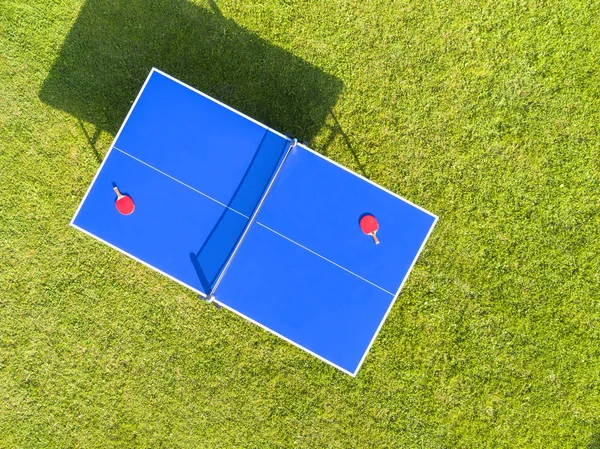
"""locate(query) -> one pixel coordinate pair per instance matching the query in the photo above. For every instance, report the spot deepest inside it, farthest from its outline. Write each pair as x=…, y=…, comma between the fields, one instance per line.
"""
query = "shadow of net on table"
x=112, y=46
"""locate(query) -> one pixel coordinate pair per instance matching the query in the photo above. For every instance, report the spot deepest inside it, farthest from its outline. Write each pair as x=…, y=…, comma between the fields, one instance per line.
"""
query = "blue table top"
x=225, y=205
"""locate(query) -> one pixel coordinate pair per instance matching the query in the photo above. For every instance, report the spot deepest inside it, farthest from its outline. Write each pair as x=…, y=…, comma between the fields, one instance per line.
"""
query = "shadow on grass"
x=594, y=441
x=113, y=45
x=335, y=130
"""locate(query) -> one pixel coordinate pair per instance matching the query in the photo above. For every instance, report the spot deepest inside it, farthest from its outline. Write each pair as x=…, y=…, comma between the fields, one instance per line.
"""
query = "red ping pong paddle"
x=370, y=226
x=124, y=203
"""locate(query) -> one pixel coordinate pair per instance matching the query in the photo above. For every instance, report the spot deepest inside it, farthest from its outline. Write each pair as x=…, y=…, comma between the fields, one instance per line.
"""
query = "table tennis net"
x=261, y=162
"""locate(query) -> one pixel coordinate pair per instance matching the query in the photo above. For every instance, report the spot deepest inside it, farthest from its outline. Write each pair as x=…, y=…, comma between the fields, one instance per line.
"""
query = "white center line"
x=245, y=216
x=324, y=258
x=182, y=183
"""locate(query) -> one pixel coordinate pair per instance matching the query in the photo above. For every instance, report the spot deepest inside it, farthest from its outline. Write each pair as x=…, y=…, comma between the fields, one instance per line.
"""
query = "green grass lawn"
x=485, y=113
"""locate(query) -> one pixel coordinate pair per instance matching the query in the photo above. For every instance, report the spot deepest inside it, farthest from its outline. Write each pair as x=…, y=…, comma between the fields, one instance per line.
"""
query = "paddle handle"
x=116, y=189
x=374, y=237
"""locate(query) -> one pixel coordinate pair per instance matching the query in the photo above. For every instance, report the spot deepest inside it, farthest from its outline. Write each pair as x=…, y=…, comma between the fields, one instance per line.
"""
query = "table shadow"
x=112, y=46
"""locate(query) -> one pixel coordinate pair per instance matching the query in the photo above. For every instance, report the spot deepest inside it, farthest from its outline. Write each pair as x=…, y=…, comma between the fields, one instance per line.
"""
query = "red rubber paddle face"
x=124, y=203
x=370, y=226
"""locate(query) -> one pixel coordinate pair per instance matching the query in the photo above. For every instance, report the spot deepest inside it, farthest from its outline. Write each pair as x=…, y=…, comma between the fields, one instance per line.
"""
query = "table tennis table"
x=254, y=221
